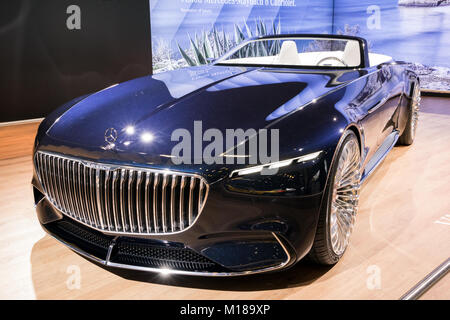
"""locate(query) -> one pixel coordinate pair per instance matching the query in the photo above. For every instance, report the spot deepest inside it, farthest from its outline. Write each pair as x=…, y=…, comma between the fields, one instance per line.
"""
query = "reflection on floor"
x=396, y=241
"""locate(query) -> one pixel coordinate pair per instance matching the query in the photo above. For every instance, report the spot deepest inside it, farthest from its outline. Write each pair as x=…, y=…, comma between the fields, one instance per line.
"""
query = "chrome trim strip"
x=426, y=283
x=378, y=105
x=367, y=175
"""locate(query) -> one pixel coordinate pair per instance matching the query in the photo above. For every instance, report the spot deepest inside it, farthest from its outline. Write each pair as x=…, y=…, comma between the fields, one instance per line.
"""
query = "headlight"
x=268, y=169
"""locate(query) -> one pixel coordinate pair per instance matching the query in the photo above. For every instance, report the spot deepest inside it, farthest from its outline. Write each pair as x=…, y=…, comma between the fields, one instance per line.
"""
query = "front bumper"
x=255, y=254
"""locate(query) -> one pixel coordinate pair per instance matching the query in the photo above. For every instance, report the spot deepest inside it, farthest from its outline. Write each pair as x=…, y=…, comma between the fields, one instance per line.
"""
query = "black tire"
x=407, y=137
x=321, y=251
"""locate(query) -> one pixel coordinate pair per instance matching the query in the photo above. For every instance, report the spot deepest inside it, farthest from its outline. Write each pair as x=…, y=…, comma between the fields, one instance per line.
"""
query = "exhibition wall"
x=55, y=50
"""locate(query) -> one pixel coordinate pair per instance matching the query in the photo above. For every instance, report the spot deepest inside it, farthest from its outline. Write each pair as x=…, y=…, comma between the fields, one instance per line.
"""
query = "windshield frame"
x=364, y=58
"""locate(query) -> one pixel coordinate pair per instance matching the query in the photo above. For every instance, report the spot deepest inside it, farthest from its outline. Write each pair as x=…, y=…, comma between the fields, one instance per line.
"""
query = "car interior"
x=290, y=55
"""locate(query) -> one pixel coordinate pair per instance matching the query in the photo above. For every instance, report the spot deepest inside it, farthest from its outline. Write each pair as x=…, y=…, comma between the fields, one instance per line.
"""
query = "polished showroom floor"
x=402, y=234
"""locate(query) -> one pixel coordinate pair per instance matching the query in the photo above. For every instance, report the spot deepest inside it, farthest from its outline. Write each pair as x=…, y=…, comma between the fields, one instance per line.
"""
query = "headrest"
x=352, y=54
x=288, y=54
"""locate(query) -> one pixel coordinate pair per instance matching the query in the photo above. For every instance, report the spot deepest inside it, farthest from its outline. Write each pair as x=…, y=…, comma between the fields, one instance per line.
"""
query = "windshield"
x=296, y=52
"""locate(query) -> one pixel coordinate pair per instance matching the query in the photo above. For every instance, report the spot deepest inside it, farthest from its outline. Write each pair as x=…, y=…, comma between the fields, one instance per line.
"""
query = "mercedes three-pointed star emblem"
x=111, y=135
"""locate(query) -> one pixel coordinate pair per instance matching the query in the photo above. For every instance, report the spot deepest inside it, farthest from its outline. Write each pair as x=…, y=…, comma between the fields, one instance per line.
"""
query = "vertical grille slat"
x=163, y=204
x=114, y=204
x=138, y=202
x=200, y=196
x=123, y=200
x=52, y=171
x=123, y=205
x=62, y=186
x=70, y=192
x=173, y=224
x=98, y=194
x=181, y=211
x=93, y=197
x=130, y=200
x=155, y=202
x=80, y=196
x=191, y=200
x=75, y=198
x=106, y=201
x=87, y=195
x=147, y=202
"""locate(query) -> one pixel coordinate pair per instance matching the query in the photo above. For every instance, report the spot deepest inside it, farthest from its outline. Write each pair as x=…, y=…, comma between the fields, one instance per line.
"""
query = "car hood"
x=155, y=106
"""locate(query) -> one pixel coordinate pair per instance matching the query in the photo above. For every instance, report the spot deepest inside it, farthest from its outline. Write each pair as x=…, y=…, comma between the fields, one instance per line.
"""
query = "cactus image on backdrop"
x=206, y=46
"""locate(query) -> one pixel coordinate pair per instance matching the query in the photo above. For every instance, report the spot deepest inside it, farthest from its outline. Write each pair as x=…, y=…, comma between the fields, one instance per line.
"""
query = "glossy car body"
x=249, y=224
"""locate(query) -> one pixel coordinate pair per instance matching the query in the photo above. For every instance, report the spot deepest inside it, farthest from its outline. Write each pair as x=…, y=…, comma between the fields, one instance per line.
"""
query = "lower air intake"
x=161, y=257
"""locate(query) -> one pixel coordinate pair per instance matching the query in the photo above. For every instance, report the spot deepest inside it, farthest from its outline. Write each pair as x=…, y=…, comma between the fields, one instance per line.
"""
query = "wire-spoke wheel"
x=340, y=205
x=415, y=106
x=408, y=135
x=345, y=196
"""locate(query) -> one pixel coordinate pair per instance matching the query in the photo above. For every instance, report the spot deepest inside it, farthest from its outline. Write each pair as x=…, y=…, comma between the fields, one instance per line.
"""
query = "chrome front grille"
x=125, y=200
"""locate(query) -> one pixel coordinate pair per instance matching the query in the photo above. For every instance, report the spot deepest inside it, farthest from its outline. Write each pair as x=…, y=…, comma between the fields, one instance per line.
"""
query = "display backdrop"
x=416, y=31
x=187, y=32
x=183, y=28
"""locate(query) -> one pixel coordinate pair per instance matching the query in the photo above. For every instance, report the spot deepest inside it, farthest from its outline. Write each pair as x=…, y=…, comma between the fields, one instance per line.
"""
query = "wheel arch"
x=357, y=131
x=352, y=127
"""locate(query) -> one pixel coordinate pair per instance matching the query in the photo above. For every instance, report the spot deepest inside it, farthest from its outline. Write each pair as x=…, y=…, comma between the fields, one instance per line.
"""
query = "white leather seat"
x=288, y=54
x=352, y=54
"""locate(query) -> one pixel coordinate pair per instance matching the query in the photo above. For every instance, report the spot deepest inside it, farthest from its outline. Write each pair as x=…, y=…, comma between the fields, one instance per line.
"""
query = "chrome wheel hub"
x=415, y=109
x=344, y=202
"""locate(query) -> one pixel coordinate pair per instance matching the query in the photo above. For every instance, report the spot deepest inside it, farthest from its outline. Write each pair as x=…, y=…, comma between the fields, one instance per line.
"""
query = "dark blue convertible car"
x=242, y=166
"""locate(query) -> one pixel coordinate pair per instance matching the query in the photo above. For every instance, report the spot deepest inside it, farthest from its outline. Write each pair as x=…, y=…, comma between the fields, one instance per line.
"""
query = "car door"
x=389, y=96
x=369, y=101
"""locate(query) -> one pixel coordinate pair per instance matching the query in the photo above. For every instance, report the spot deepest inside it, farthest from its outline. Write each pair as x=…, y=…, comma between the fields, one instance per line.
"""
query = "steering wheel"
x=332, y=58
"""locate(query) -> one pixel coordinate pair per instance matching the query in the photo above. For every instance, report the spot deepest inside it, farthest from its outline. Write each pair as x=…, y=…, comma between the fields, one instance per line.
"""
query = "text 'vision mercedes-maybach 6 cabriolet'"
x=245, y=165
